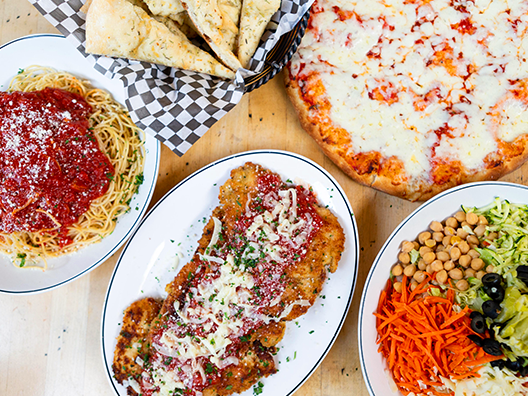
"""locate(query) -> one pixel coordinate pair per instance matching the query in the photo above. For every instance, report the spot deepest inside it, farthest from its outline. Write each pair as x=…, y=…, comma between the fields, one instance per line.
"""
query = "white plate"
x=438, y=208
x=55, y=51
x=176, y=223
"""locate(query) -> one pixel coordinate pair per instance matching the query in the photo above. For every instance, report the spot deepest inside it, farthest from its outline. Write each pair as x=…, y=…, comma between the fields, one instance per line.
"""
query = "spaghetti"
x=116, y=157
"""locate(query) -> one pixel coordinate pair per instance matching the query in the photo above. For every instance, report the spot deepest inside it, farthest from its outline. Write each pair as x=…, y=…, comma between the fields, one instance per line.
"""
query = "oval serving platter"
x=166, y=240
x=55, y=51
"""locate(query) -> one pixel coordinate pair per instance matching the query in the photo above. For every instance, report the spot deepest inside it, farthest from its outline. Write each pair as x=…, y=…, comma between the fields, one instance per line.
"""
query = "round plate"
x=55, y=51
x=167, y=239
x=438, y=208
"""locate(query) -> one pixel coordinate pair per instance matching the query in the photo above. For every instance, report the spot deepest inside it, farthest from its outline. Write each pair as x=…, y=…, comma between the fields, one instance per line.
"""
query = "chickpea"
x=465, y=260
x=397, y=270
x=449, y=265
x=472, y=239
x=490, y=268
x=443, y=256
x=480, y=274
x=492, y=236
x=456, y=274
x=425, y=249
x=462, y=285
x=424, y=236
x=472, y=218
x=409, y=270
x=451, y=222
x=473, y=253
x=477, y=264
x=447, y=240
x=455, y=240
x=430, y=243
x=461, y=233
x=441, y=276
x=436, y=226
x=429, y=257
x=480, y=230
x=416, y=245
x=465, y=223
x=438, y=236
x=407, y=246
x=455, y=253
x=421, y=264
x=470, y=273
x=429, y=269
x=460, y=216
x=440, y=248
x=404, y=258
x=449, y=231
x=419, y=276
x=397, y=286
x=437, y=265
x=482, y=220
x=414, y=285
x=464, y=247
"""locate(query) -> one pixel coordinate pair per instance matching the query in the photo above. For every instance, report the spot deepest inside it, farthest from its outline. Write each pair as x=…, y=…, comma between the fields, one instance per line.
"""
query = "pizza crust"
x=382, y=181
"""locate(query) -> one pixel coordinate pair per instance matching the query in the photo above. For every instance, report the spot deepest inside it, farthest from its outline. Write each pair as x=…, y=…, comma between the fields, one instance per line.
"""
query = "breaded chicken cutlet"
x=262, y=261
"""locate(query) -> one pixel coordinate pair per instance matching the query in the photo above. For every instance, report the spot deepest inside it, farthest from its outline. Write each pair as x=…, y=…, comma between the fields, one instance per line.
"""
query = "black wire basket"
x=279, y=55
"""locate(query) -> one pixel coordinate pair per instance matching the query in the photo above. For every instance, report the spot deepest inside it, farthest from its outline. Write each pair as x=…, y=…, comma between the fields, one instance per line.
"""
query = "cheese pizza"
x=414, y=97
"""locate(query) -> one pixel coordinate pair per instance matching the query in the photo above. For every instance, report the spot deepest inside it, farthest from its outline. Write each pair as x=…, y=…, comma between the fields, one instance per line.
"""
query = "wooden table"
x=50, y=342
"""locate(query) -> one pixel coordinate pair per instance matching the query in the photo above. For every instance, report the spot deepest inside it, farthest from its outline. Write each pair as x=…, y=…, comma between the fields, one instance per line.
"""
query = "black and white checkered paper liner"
x=176, y=106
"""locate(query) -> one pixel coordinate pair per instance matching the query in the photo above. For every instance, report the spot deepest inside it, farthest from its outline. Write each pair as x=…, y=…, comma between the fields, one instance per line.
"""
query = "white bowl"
x=55, y=51
x=377, y=379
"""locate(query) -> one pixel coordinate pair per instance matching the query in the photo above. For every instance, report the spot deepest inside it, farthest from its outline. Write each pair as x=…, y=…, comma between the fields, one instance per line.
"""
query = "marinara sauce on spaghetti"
x=51, y=167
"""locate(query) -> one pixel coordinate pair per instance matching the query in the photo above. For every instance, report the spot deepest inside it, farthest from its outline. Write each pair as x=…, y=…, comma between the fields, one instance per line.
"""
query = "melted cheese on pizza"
x=421, y=80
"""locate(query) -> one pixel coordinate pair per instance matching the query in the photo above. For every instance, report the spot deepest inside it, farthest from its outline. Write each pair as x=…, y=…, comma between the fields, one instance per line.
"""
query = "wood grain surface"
x=50, y=342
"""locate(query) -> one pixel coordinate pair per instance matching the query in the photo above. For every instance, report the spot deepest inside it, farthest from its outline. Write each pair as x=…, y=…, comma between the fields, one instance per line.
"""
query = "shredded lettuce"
x=415, y=256
x=515, y=314
x=510, y=249
x=471, y=297
x=506, y=253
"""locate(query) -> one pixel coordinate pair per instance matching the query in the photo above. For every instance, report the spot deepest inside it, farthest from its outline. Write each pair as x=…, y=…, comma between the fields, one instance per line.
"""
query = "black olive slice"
x=496, y=293
x=498, y=363
x=523, y=371
x=522, y=269
x=473, y=314
x=513, y=365
x=492, y=347
x=476, y=339
x=478, y=324
x=522, y=273
x=491, y=279
x=491, y=309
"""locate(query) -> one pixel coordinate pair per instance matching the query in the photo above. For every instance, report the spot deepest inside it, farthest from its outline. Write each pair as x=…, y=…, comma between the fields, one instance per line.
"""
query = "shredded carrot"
x=423, y=338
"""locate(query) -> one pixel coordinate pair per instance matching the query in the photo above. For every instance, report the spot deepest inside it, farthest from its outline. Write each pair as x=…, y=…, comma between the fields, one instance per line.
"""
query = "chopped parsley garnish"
x=258, y=388
x=22, y=257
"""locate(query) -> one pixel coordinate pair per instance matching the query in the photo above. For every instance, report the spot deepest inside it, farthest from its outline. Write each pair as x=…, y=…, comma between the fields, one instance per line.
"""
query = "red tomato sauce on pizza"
x=51, y=167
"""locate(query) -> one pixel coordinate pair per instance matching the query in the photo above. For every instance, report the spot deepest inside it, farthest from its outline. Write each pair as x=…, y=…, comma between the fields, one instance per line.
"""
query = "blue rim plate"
x=377, y=379
x=55, y=51
x=166, y=239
